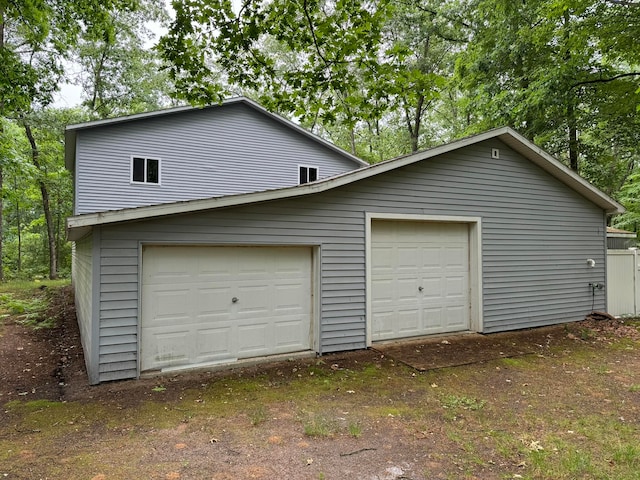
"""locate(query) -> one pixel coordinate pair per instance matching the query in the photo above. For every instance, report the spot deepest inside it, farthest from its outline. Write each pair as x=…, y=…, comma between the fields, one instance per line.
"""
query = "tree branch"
x=626, y=3
x=604, y=80
x=313, y=33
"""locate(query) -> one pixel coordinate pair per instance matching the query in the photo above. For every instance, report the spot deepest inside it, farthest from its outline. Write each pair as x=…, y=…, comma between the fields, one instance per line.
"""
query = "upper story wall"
x=225, y=150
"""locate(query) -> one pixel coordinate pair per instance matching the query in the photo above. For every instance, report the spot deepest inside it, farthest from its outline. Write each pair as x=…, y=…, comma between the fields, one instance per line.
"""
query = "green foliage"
x=120, y=75
x=549, y=70
x=307, y=58
x=25, y=252
x=32, y=311
x=366, y=71
x=36, y=38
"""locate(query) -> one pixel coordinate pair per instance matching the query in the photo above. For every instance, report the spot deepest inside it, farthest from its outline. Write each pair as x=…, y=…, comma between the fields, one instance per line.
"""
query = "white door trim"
x=475, y=261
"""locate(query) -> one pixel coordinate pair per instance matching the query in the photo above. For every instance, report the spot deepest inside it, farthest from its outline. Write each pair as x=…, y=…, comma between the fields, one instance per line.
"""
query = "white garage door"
x=419, y=278
x=205, y=305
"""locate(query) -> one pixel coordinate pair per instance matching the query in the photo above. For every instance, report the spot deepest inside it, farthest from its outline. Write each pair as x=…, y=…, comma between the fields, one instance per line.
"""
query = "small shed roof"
x=79, y=225
x=617, y=232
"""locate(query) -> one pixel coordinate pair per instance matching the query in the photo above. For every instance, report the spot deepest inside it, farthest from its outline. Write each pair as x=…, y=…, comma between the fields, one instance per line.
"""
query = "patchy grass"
x=457, y=402
x=570, y=412
x=25, y=289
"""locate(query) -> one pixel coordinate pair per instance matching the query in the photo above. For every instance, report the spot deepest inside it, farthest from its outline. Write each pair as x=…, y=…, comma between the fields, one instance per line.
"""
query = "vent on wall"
x=495, y=153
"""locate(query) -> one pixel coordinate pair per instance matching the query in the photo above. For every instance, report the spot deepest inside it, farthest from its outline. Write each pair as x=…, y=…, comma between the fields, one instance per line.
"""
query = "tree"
x=352, y=69
x=543, y=67
x=424, y=37
x=35, y=38
x=334, y=51
x=120, y=74
x=44, y=131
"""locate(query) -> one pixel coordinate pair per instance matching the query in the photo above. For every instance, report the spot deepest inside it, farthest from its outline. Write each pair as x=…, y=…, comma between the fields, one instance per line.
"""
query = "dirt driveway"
x=558, y=402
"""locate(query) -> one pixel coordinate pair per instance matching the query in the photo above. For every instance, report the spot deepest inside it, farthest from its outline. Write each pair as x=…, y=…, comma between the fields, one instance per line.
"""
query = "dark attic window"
x=145, y=170
x=307, y=174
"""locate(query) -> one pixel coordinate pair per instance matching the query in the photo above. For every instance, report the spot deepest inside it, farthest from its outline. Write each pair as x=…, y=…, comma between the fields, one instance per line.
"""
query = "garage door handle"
x=420, y=289
x=234, y=299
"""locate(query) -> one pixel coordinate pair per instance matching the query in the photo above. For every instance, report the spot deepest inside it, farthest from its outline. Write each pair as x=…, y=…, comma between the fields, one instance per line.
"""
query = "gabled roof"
x=79, y=225
x=71, y=130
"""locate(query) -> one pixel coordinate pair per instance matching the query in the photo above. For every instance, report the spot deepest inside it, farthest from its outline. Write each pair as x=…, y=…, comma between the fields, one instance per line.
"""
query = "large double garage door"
x=207, y=305
x=419, y=278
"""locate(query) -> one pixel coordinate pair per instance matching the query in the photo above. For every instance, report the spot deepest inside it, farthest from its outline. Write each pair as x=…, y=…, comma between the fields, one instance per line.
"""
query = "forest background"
x=380, y=78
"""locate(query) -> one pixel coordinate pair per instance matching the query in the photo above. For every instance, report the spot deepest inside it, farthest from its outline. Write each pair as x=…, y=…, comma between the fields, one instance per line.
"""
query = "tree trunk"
x=53, y=256
x=1, y=172
x=352, y=133
x=570, y=99
x=1, y=218
x=573, y=137
x=19, y=225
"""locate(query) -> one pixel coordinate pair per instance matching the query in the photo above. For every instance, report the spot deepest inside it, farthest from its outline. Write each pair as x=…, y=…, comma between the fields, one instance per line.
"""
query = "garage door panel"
x=383, y=328
x=408, y=322
x=432, y=320
x=253, y=340
x=273, y=312
x=169, y=348
x=405, y=260
x=454, y=257
x=456, y=318
x=215, y=343
x=405, y=289
x=431, y=258
x=171, y=306
x=291, y=333
x=455, y=286
x=432, y=287
x=212, y=301
x=419, y=273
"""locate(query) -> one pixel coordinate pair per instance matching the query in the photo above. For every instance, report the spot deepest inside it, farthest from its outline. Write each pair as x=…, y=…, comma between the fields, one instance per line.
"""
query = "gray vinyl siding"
x=536, y=237
x=203, y=153
x=82, y=278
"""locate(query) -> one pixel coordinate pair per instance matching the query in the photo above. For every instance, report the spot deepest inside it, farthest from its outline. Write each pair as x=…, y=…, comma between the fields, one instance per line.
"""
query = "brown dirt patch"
x=40, y=364
x=454, y=350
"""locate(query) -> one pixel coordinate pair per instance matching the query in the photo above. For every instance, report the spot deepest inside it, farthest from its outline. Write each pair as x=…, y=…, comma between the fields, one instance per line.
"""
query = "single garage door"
x=419, y=278
x=206, y=305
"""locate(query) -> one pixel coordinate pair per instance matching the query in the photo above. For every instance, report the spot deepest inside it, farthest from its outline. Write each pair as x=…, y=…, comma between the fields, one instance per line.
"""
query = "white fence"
x=623, y=282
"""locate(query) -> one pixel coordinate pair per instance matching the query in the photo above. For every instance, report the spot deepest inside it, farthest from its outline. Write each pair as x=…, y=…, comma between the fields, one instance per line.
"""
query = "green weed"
x=627, y=455
x=513, y=362
x=319, y=426
x=258, y=415
x=355, y=429
x=465, y=403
